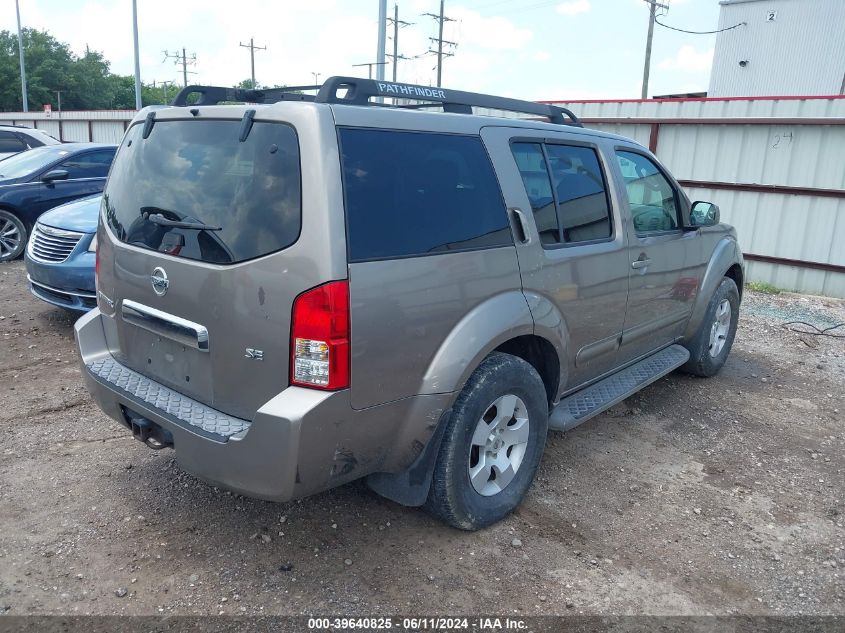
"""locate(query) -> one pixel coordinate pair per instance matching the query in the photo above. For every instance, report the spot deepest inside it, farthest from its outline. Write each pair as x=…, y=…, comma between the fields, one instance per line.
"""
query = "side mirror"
x=55, y=174
x=704, y=214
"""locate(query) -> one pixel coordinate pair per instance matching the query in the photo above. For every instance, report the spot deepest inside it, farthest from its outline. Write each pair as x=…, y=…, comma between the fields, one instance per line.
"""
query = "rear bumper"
x=300, y=442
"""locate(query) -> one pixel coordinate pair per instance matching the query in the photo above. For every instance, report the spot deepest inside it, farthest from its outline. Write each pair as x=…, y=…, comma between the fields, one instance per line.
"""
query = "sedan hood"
x=79, y=215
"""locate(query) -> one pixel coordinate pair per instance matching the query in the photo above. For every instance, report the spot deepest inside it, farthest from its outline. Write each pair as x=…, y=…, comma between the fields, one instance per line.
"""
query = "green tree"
x=48, y=64
x=85, y=81
x=246, y=84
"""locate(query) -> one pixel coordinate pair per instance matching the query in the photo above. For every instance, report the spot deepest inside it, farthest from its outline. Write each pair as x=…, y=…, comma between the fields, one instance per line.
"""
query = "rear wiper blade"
x=158, y=218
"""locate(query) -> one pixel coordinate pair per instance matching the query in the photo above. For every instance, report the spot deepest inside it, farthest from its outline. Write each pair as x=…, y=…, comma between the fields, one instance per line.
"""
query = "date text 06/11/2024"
x=480, y=624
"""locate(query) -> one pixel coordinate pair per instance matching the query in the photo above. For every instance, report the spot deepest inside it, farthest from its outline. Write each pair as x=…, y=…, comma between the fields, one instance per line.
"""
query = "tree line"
x=85, y=81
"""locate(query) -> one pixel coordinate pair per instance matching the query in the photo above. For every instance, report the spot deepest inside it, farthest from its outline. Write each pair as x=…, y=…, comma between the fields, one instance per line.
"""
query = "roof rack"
x=355, y=91
x=360, y=91
x=212, y=95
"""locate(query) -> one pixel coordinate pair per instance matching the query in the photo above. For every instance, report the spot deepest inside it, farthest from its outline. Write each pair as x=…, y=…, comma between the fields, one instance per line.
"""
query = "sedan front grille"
x=52, y=245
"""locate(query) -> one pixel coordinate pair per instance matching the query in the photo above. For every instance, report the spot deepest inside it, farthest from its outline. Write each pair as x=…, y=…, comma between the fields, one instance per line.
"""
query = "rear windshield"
x=192, y=189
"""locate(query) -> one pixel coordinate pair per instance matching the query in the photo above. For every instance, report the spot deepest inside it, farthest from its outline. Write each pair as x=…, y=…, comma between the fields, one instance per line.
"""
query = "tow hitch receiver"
x=148, y=431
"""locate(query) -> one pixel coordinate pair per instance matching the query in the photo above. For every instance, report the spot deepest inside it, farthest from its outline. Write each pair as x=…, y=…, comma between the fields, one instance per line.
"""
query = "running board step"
x=592, y=400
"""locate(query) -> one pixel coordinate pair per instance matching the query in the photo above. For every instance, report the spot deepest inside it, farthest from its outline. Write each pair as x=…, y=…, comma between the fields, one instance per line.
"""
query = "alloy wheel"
x=720, y=328
x=498, y=445
x=10, y=239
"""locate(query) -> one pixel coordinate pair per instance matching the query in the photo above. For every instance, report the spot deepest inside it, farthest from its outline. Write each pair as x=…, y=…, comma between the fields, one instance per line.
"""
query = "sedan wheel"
x=12, y=236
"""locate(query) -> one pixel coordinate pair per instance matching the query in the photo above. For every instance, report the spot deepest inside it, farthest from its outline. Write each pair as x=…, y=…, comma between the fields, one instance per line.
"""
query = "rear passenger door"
x=574, y=253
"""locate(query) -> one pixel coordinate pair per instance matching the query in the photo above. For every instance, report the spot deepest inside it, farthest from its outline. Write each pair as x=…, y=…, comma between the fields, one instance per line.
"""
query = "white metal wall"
x=99, y=126
x=808, y=228
x=790, y=46
x=784, y=225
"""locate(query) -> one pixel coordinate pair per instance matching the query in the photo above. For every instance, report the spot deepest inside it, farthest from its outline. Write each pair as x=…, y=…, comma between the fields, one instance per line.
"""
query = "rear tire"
x=13, y=236
x=711, y=345
x=492, y=444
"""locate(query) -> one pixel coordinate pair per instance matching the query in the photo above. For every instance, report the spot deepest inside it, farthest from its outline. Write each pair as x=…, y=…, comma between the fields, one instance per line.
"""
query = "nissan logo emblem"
x=160, y=281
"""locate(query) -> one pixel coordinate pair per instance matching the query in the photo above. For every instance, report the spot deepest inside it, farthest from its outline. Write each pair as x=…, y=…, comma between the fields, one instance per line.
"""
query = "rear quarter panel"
x=418, y=323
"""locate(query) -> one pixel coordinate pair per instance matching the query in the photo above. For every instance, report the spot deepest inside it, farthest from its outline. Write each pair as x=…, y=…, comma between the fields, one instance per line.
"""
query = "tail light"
x=320, y=337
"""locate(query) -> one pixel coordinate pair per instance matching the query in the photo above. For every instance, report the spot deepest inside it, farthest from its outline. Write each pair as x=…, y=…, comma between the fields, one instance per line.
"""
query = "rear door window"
x=231, y=200
x=90, y=165
x=581, y=195
x=567, y=192
x=415, y=193
x=532, y=167
x=9, y=143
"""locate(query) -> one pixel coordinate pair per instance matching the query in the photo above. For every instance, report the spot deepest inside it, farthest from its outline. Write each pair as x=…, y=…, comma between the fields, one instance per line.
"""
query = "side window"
x=90, y=165
x=532, y=167
x=653, y=201
x=413, y=193
x=9, y=142
x=575, y=183
x=30, y=141
x=581, y=193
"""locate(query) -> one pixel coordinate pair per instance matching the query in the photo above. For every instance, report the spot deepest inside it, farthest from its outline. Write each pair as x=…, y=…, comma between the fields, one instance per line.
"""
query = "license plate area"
x=182, y=368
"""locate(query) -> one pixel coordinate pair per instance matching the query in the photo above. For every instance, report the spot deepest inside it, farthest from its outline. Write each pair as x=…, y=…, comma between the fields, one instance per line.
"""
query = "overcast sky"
x=537, y=49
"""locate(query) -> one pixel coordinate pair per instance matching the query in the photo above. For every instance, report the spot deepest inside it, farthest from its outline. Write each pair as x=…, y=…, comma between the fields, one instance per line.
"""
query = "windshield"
x=193, y=189
x=25, y=163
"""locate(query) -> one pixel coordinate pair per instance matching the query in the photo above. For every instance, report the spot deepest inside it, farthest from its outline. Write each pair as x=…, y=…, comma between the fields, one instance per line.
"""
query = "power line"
x=370, y=65
x=666, y=26
x=252, y=48
x=184, y=60
x=441, y=20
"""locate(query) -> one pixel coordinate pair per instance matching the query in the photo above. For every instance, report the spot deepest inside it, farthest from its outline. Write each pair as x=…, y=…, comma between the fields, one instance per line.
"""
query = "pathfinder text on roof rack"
x=410, y=89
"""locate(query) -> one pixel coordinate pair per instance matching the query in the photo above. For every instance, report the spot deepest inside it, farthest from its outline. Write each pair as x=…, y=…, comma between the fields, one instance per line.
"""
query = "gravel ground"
x=695, y=496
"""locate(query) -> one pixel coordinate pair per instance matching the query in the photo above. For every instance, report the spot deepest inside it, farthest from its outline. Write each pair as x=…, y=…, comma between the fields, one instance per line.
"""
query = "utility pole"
x=370, y=66
x=396, y=24
x=23, y=65
x=182, y=58
x=652, y=14
x=138, y=102
x=382, y=28
x=252, y=48
x=441, y=20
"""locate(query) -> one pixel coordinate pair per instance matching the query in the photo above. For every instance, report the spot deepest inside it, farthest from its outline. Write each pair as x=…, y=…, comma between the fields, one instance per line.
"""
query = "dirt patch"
x=692, y=497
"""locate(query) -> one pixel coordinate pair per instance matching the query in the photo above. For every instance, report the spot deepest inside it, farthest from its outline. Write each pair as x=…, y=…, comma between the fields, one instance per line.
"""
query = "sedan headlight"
x=92, y=247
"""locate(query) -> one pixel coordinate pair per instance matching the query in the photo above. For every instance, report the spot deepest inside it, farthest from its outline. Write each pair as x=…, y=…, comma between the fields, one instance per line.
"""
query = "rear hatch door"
x=203, y=258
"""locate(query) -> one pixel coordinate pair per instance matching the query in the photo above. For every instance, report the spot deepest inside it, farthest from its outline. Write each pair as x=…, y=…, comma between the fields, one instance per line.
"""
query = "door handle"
x=642, y=262
x=520, y=226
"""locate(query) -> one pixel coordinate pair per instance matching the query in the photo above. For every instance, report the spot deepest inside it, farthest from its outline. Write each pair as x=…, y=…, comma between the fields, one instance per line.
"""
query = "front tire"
x=712, y=343
x=492, y=444
x=12, y=236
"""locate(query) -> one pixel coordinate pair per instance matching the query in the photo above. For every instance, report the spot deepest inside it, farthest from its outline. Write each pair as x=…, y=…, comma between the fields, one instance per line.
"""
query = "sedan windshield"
x=25, y=163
